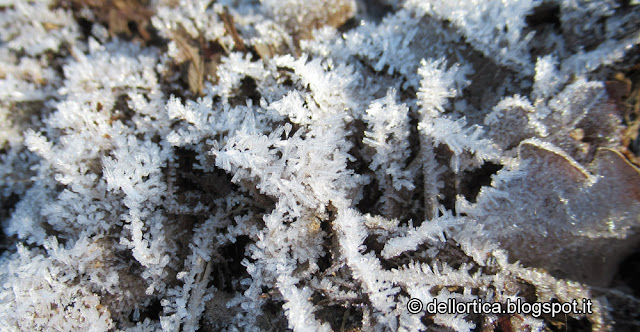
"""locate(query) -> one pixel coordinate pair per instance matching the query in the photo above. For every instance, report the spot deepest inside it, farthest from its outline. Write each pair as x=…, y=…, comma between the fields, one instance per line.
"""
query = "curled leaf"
x=550, y=212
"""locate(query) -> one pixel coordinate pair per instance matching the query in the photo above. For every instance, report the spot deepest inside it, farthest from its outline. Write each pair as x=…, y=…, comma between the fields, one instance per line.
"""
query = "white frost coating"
x=339, y=159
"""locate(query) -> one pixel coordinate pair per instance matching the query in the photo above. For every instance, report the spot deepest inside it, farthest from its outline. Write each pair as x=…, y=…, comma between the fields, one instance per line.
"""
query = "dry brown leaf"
x=117, y=14
x=230, y=26
x=211, y=67
x=196, y=69
x=264, y=51
x=618, y=89
x=188, y=52
x=50, y=26
x=196, y=76
x=302, y=18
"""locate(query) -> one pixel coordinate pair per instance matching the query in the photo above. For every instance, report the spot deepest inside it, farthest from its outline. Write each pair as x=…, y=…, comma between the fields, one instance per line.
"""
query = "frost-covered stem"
x=388, y=135
x=432, y=183
x=351, y=234
x=196, y=299
x=298, y=308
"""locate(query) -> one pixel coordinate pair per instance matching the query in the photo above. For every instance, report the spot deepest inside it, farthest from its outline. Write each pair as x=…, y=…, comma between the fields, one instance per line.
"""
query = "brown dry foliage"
x=118, y=14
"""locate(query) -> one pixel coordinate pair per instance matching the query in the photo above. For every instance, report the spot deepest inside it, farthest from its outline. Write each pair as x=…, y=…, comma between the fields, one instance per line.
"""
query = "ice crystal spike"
x=184, y=165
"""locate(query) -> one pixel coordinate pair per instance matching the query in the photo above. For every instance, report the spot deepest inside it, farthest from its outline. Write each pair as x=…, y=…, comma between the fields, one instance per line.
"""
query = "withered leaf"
x=187, y=51
x=264, y=51
x=230, y=26
x=196, y=76
x=211, y=68
x=557, y=215
x=117, y=14
x=617, y=90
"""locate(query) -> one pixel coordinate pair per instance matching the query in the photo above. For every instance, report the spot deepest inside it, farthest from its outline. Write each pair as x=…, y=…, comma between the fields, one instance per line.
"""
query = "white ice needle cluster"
x=313, y=165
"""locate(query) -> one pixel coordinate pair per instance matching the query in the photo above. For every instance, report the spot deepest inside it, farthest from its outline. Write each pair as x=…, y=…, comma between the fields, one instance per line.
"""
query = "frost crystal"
x=317, y=165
